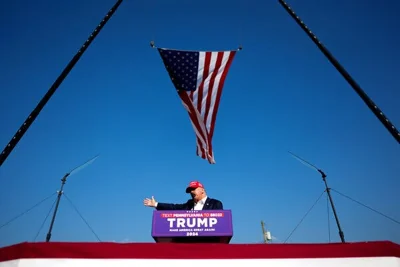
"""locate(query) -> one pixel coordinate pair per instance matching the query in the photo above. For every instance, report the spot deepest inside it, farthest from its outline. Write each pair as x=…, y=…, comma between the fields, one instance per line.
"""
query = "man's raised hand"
x=149, y=202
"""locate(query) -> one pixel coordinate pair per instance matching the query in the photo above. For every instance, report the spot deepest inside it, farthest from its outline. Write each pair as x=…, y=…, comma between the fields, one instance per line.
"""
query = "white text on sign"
x=192, y=222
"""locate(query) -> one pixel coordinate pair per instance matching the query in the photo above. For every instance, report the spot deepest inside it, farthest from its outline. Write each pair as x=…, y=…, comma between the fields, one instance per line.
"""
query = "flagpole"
x=373, y=107
x=31, y=118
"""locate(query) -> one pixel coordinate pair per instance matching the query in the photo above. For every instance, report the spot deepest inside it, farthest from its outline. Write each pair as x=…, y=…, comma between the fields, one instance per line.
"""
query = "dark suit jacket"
x=211, y=204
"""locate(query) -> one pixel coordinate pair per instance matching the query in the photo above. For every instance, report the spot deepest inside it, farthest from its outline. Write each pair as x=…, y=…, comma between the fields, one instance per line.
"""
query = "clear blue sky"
x=281, y=94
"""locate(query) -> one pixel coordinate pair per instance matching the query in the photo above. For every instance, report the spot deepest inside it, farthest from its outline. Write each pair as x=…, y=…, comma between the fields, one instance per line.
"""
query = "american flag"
x=199, y=78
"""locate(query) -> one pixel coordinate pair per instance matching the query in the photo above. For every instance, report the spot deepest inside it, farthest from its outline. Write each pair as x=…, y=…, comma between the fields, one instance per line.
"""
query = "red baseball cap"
x=193, y=185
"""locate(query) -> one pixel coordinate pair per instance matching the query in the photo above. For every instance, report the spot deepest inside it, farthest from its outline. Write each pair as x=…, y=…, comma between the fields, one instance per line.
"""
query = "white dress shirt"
x=200, y=204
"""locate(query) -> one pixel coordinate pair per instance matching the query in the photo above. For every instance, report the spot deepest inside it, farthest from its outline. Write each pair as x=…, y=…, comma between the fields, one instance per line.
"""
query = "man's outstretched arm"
x=170, y=206
x=164, y=206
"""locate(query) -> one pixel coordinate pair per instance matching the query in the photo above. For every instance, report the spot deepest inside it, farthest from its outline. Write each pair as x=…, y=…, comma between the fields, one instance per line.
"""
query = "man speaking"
x=199, y=200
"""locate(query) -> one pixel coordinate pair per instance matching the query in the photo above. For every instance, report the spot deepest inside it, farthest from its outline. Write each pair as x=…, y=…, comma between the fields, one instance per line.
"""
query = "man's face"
x=197, y=193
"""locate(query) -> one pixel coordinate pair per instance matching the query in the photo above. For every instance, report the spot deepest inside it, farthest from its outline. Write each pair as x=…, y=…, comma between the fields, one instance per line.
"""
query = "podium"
x=192, y=226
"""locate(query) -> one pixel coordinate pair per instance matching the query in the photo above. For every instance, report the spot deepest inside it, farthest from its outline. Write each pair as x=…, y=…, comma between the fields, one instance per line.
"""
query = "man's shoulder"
x=189, y=201
x=214, y=200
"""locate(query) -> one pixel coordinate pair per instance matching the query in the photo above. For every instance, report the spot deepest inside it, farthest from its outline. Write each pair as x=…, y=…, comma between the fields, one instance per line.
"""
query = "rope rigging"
x=152, y=45
x=26, y=211
x=328, y=211
x=48, y=214
x=57, y=202
x=239, y=31
x=80, y=215
x=45, y=219
x=305, y=215
x=365, y=206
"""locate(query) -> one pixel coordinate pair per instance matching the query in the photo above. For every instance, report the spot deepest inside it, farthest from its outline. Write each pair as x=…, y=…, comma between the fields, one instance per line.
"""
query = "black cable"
x=358, y=202
x=329, y=222
x=80, y=215
x=26, y=211
x=304, y=216
x=45, y=219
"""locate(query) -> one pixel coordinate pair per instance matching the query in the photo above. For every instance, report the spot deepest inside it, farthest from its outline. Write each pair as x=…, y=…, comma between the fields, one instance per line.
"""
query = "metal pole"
x=63, y=180
x=24, y=127
x=264, y=232
x=373, y=107
x=328, y=191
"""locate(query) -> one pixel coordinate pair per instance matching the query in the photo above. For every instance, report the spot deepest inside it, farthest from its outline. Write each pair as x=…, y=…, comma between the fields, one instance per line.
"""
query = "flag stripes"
x=202, y=103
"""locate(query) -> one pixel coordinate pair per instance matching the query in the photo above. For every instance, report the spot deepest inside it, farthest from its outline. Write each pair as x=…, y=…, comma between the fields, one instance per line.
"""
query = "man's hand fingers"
x=149, y=202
